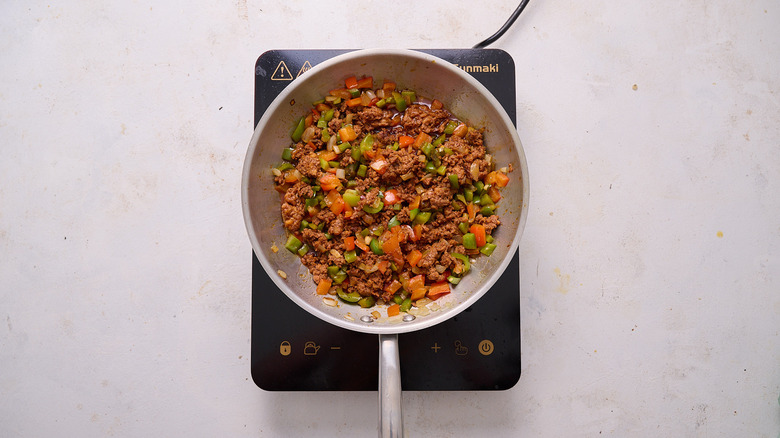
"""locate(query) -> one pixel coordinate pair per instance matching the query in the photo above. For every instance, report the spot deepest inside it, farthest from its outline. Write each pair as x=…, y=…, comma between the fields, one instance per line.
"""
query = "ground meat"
x=421, y=118
x=372, y=117
x=431, y=254
x=404, y=162
x=309, y=165
x=396, y=177
x=440, y=195
x=489, y=222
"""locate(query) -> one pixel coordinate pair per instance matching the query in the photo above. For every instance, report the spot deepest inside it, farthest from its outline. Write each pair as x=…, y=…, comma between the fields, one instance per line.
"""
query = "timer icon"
x=486, y=347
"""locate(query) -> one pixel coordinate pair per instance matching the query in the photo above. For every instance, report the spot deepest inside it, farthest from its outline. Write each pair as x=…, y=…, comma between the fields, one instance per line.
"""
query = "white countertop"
x=649, y=268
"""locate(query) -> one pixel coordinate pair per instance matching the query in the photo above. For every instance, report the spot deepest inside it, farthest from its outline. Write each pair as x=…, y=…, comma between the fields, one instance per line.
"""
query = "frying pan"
x=430, y=77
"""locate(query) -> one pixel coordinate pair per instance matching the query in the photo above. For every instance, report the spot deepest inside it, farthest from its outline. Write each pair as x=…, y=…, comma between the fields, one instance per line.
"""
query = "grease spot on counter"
x=719, y=234
x=634, y=87
x=563, y=281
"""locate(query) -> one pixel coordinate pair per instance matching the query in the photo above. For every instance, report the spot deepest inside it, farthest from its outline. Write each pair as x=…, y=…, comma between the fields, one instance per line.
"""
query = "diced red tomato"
x=309, y=120
x=421, y=139
x=323, y=286
x=416, y=282
x=419, y=293
x=351, y=82
x=329, y=181
x=366, y=82
x=349, y=243
x=347, y=211
x=393, y=287
x=479, y=233
x=341, y=92
x=405, y=140
x=380, y=165
x=322, y=107
x=498, y=179
x=413, y=257
x=392, y=247
x=438, y=289
x=415, y=202
x=391, y=197
x=404, y=277
x=388, y=86
x=502, y=179
x=436, y=104
x=494, y=193
x=347, y=133
x=327, y=155
x=383, y=265
x=335, y=202
x=393, y=310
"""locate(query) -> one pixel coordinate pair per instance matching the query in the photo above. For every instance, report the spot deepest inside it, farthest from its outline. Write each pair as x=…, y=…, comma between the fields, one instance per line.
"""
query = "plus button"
x=435, y=347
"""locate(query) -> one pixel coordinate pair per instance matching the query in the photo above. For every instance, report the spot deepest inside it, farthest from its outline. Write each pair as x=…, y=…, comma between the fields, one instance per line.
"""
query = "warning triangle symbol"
x=304, y=69
x=282, y=73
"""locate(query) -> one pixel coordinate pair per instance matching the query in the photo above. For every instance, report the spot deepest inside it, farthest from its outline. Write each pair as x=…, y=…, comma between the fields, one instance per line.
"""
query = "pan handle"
x=390, y=415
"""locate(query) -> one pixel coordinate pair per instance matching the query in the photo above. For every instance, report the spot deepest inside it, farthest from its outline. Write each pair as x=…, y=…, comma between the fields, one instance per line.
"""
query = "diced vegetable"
x=367, y=302
x=323, y=286
x=469, y=241
x=293, y=244
x=299, y=128
x=488, y=249
x=479, y=234
x=376, y=247
x=393, y=310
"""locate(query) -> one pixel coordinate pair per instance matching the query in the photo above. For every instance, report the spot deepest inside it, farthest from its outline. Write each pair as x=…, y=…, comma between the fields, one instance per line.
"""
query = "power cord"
x=491, y=39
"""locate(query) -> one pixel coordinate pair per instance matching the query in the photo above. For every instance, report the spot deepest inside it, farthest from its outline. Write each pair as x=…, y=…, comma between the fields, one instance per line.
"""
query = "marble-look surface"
x=649, y=266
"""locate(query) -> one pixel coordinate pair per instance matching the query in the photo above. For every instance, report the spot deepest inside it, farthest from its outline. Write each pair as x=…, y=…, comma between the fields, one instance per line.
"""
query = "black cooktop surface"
x=479, y=349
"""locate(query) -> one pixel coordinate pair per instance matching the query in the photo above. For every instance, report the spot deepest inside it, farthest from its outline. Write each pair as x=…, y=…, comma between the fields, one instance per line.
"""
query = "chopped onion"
x=341, y=173
x=297, y=174
x=440, y=268
x=276, y=171
x=308, y=134
x=368, y=219
x=331, y=142
x=370, y=94
x=423, y=301
x=348, y=120
x=330, y=301
x=380, y=93
x=474, y=170
x=365, y=99
x=419, y=189
x=407, y=176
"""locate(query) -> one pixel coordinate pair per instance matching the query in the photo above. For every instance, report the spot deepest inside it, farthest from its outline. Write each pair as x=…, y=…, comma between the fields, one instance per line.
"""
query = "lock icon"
x=285, y=349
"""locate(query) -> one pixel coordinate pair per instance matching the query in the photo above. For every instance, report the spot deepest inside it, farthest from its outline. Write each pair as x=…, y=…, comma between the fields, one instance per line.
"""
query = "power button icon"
x=486, y=347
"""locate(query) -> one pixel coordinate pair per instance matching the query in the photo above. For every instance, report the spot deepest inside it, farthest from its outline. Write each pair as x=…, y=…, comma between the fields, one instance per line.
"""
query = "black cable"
x=491, y=39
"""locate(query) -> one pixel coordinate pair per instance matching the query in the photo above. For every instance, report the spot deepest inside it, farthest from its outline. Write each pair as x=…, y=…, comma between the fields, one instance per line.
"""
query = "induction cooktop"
x=479, y=349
